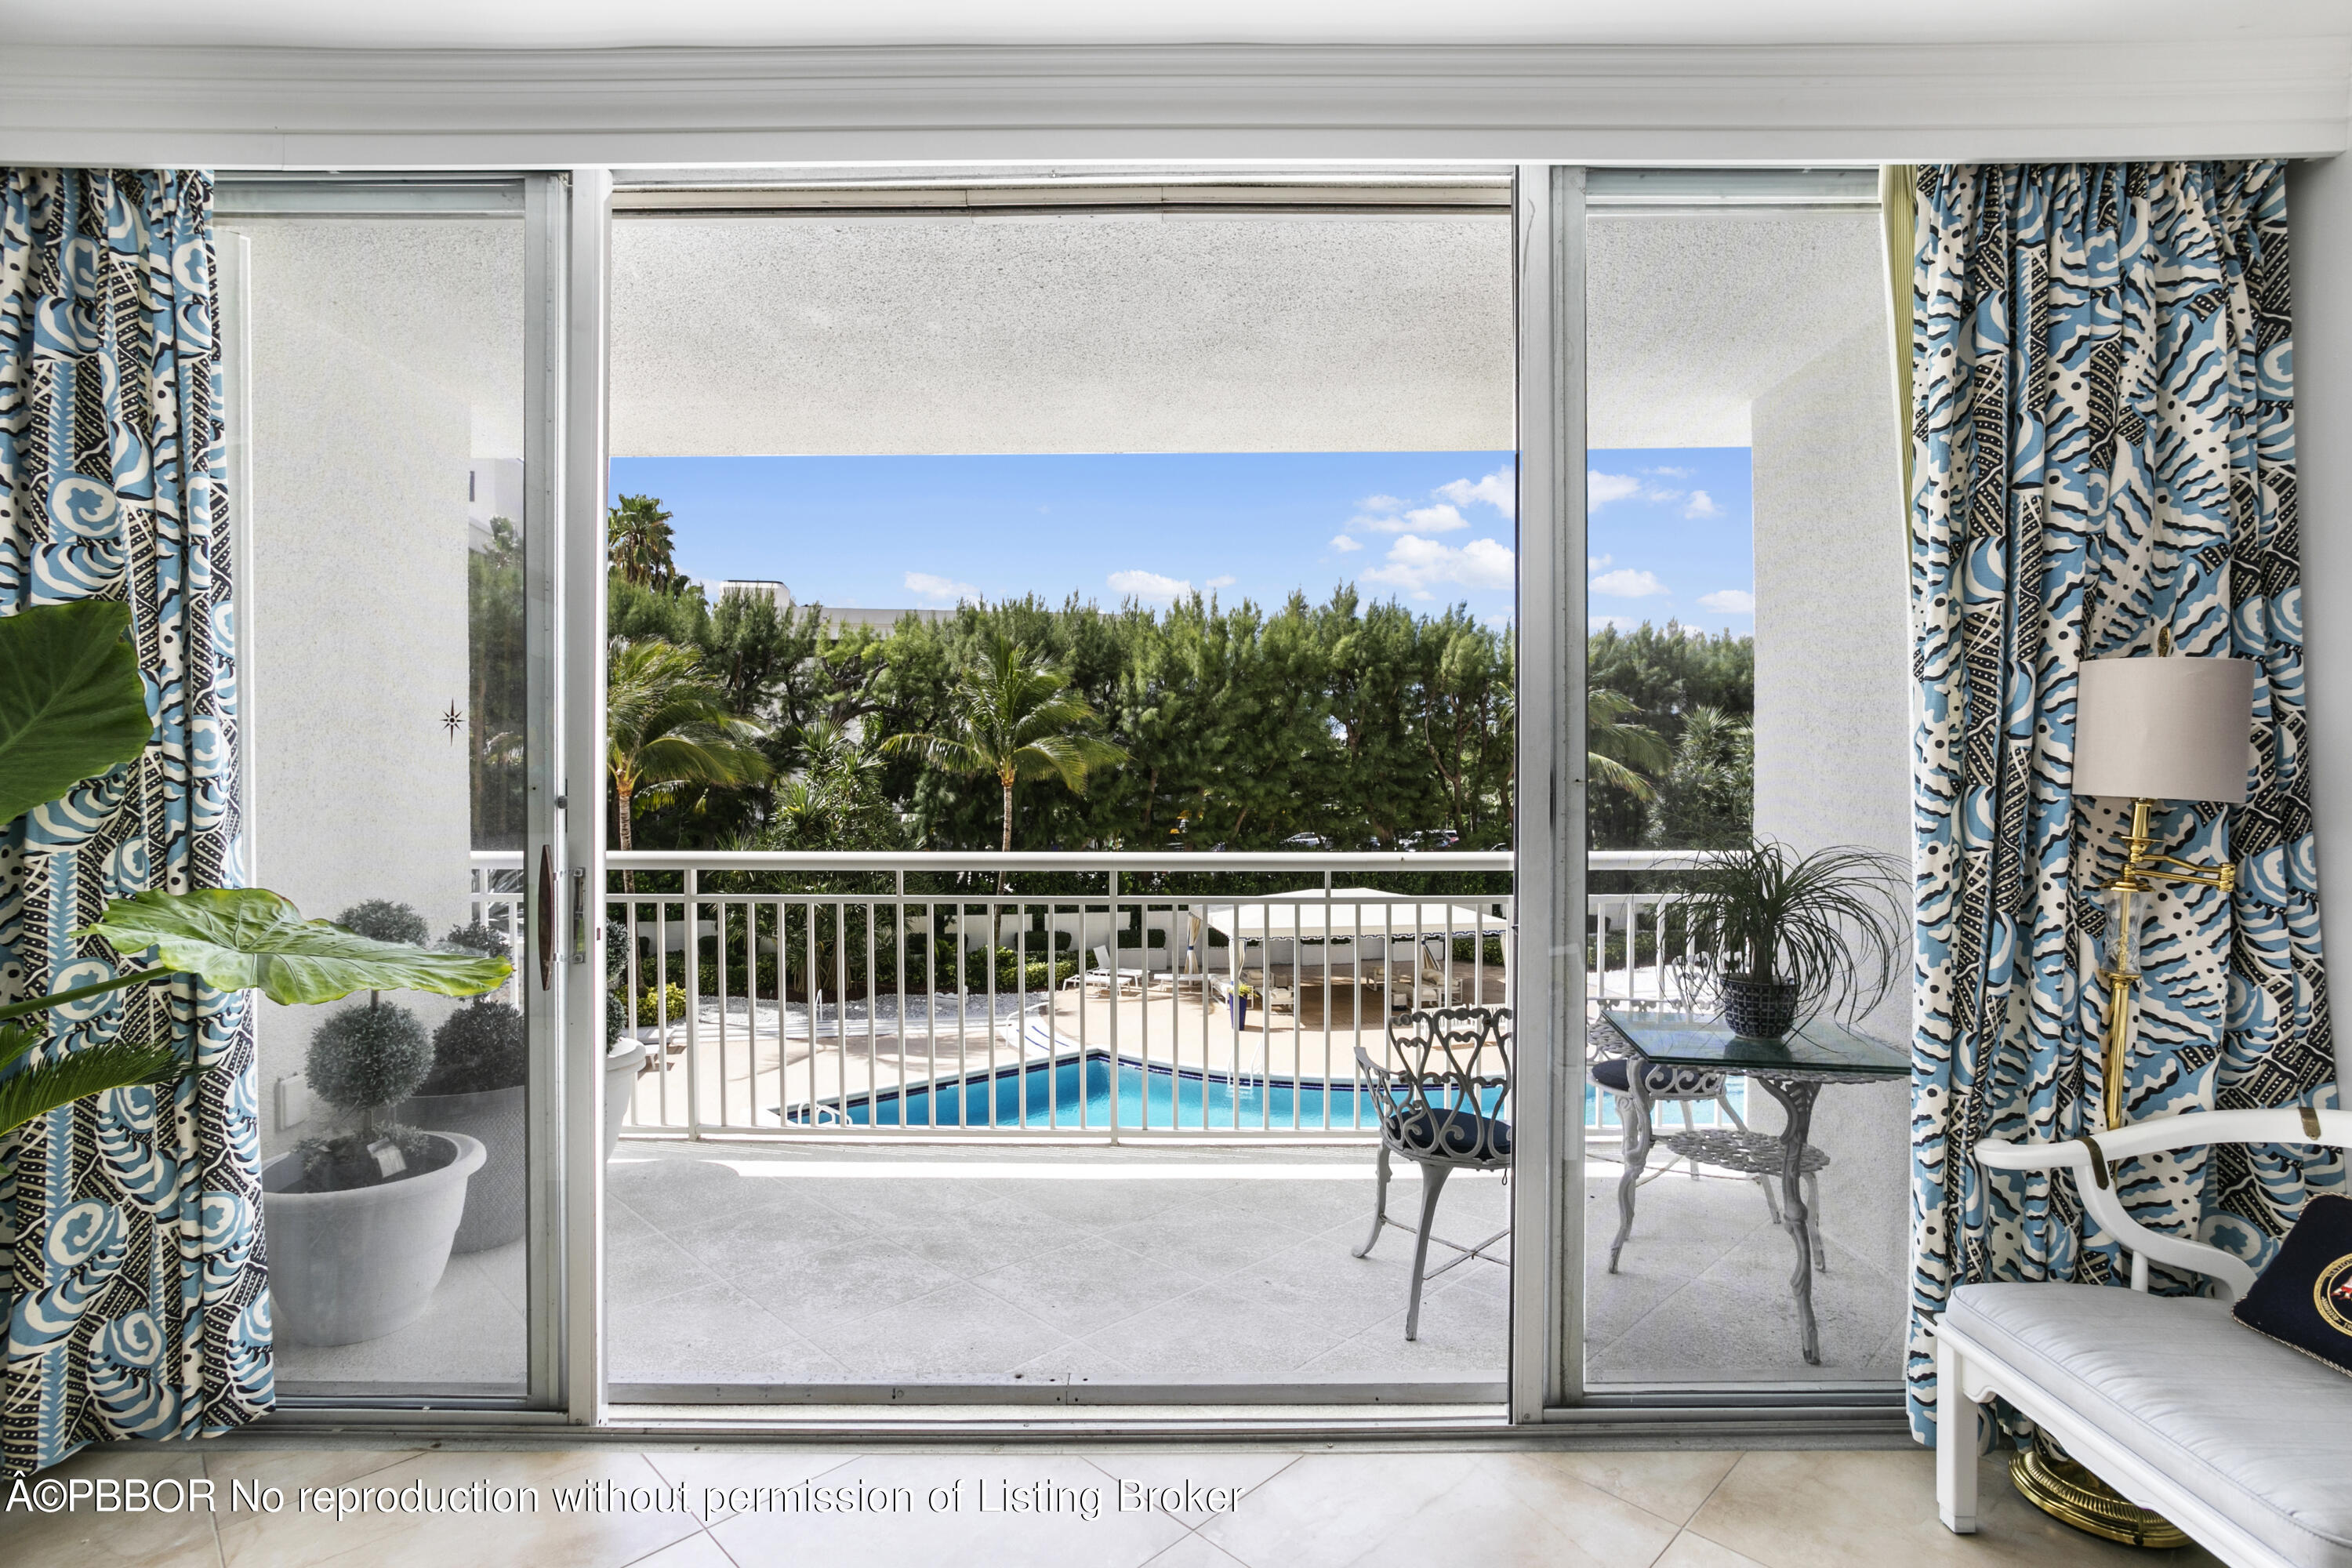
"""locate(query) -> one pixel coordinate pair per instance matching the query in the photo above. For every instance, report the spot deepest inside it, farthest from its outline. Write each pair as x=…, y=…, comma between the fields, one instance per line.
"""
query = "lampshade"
x=2166, y=728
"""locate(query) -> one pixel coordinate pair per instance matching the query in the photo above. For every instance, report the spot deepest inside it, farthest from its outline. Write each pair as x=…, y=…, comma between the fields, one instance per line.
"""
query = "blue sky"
x=1430, y=528
x=1670, y=536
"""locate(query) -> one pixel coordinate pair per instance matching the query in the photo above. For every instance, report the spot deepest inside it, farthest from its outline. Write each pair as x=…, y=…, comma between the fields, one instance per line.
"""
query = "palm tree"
x=666, y=724
x=639, y=544
x=1615, y=749
x=1012, y=718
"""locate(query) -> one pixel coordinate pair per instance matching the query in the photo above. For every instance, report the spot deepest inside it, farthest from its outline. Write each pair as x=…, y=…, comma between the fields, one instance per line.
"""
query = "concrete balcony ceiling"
x=821, y=333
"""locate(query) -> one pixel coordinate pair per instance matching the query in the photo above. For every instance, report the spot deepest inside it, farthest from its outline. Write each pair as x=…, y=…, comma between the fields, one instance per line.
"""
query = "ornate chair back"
x=1447, y=1097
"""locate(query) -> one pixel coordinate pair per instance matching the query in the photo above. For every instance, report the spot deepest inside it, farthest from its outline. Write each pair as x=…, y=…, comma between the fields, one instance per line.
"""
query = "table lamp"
x=2150, y=730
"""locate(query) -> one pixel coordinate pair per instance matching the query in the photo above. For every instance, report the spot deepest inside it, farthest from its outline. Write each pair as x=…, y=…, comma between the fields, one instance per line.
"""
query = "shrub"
x=651, y=1005
x=384, y=921
x=363, y=1059
x=478, y=1047
x=1010, y=973
x=478, y=938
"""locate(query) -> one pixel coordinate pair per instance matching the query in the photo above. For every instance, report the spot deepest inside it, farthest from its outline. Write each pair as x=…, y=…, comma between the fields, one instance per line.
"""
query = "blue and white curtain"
x=131, y=1264
x=2104, y=446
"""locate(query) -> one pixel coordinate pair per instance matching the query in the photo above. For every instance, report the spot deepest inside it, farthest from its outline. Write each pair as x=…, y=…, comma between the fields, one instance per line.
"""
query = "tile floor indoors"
x=1495, y=1508
x=751, y=1263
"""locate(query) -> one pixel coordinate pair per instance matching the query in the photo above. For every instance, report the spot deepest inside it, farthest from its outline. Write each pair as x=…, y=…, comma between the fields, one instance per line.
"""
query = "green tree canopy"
x=667, y=725
x=1010, y=718
x=639, y=544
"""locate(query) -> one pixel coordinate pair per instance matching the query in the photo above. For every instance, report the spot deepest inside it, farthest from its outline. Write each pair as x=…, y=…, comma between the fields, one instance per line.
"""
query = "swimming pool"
x=1089, y=1092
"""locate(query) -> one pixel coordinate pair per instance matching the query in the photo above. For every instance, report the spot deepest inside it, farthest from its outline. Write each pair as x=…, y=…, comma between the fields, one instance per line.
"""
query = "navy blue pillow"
x=2304, y=1298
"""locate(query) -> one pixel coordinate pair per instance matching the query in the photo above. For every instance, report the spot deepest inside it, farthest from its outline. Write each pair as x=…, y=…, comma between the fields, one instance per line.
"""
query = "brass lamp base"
x=2047, y=1478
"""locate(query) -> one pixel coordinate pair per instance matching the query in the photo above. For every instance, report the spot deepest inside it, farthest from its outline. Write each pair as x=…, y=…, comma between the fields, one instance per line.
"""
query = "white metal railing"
x=802, y=993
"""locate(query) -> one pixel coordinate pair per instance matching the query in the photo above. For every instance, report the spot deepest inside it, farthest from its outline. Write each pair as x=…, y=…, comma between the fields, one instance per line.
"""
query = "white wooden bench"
x=2244, y=1442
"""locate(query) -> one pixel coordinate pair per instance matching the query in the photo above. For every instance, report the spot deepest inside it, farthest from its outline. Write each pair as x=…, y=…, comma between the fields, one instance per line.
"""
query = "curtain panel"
x=2104, y=446
x=136, y=1297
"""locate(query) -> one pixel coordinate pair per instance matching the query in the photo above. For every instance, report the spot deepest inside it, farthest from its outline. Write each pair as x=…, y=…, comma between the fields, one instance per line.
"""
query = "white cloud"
x=1225, y=582
x=940, y=590
x=1380, y=503
x=1601, y=488
x=1500, y=620
x=1595, y=562
x=1149, y=586
x=1342, y=543
x=1418, y=565
x=1730, y=602
x=1495, y=490
x=1627, y=584
x=1702, y=505
x=1616, y=622
x=1669, y=473
x=1439, y=518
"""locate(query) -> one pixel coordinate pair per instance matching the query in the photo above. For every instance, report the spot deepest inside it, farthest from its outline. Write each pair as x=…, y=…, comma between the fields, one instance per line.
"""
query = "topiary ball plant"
x=616, y=980
x=381, y=920
x=478, y=1048
x=362, y=1061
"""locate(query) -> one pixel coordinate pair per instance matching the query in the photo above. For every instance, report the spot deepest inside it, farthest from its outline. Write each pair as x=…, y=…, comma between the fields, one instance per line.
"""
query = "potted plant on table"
x=73, y=707
x=1783, y=936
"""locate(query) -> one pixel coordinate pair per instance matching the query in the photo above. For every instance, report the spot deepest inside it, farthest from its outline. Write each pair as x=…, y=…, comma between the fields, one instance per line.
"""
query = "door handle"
x=579, y=914
x=546, y=917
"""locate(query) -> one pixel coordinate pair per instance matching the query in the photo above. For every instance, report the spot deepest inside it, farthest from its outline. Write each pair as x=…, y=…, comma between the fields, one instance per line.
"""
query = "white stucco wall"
x=1832, y=695
x=375, y=382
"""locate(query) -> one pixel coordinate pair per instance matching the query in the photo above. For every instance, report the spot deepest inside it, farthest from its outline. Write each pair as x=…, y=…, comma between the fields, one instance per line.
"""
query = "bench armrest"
x=2093, y=1159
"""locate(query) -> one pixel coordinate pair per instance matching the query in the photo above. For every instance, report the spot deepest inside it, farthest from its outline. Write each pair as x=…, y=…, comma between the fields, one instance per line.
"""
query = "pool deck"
x=760, y=1268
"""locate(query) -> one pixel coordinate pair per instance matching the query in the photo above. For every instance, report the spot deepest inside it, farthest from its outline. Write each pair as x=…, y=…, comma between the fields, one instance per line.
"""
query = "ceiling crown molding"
x=433, y=109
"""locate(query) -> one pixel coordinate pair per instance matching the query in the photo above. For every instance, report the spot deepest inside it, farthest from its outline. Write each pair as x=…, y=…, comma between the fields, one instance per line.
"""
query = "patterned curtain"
x=2104, y=446
x=137, y=1300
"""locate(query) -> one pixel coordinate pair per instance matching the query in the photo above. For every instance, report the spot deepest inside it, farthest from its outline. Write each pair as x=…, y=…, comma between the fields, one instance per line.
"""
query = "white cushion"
x=2259, y=1433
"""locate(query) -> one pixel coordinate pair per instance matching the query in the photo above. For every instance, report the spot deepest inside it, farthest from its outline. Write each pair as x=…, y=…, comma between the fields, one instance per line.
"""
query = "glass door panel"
x=1747, y=675
x=377, y=414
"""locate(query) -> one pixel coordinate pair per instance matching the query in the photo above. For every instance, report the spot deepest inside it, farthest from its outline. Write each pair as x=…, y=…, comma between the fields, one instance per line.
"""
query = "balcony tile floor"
x=1328, y=1508
x=751, y=1263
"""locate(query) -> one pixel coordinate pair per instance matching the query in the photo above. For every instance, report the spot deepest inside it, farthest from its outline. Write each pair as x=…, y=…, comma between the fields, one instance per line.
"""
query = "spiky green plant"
x=1829, y=922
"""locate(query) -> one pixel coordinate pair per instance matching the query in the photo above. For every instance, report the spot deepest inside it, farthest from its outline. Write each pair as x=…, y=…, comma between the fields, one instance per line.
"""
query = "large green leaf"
x=71, y=704
x=249, y=938
x=93, y=1069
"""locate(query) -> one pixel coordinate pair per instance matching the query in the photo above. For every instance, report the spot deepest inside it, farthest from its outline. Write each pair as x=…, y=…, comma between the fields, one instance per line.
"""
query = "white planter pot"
x=347, y=1266
x=494, y=1198
x=622, y=1061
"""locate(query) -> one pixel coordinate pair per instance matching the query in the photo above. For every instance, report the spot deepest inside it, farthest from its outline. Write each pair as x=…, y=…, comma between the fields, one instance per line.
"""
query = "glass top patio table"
x=1793, y=1071
x=1822, y=1048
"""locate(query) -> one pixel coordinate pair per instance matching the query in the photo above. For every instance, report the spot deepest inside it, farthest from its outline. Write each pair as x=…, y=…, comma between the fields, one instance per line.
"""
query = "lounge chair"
x=1102, y=977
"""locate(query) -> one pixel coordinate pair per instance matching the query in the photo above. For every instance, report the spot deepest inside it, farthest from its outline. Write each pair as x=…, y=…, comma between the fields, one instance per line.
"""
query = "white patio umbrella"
x=1354, y=914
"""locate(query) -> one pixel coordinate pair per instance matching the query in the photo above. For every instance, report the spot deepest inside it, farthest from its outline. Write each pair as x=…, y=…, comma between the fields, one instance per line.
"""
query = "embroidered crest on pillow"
x=2304, y=1298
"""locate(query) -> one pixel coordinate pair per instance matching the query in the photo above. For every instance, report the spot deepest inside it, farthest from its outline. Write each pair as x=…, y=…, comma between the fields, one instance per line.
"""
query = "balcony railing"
x=1112, y=996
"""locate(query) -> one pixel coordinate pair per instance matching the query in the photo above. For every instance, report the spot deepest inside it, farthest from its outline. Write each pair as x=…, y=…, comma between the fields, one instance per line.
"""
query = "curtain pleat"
x=2104, y=445
x=136, y=1294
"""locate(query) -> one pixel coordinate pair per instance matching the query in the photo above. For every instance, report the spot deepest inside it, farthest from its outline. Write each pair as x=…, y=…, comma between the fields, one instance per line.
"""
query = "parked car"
x=1306, y=841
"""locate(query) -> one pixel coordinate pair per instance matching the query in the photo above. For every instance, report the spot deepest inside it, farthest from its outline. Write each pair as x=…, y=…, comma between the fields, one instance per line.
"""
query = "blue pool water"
x=1074, y=1093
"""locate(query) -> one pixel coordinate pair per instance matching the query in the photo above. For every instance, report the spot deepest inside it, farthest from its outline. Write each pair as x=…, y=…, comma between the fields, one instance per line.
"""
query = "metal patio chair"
x=1444, y=1108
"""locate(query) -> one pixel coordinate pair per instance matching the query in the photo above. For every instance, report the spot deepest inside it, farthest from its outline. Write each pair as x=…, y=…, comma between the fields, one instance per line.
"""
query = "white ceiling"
x=606, y=24
x=820, y=335
x=1126, y=333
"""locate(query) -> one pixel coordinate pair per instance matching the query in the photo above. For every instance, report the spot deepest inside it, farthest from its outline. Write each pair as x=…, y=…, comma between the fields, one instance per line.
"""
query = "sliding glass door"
x=388, y=534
